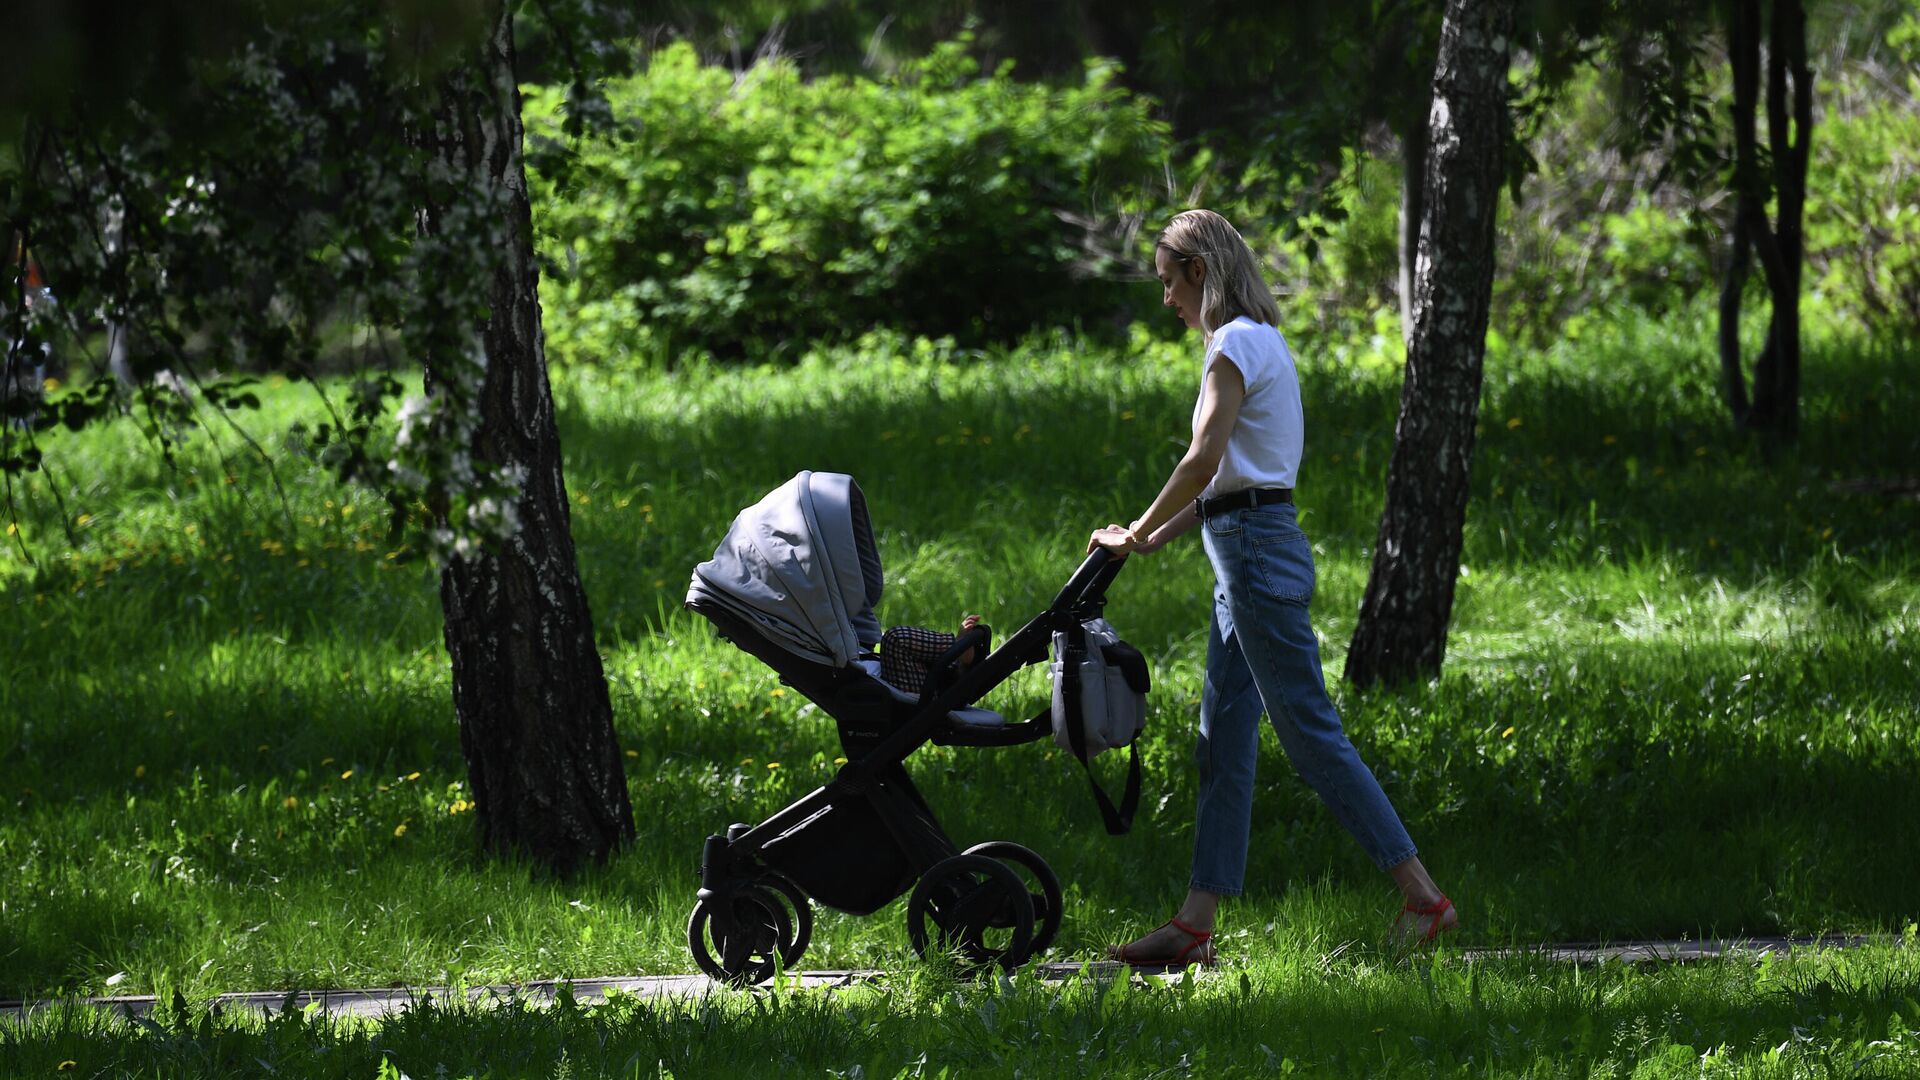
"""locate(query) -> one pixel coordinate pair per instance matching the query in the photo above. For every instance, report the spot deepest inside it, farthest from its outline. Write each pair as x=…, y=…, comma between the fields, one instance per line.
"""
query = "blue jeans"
x=1262, y=652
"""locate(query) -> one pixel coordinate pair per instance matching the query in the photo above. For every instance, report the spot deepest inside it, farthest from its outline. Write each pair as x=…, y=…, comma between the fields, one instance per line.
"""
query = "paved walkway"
x=392, y=1000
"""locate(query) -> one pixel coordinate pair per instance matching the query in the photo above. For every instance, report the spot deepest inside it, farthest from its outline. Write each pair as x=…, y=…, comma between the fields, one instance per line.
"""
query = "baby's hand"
x=968, y=622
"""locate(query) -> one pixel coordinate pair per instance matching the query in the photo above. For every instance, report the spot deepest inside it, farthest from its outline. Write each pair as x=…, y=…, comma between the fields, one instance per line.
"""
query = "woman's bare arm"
x=1220, y=398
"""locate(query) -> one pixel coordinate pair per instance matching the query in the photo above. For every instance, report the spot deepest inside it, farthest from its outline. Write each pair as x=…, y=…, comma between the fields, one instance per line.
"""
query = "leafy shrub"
x=744, y=216
x=1863, y=187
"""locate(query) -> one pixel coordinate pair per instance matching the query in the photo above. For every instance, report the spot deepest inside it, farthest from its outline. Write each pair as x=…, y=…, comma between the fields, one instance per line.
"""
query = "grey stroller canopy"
x=801, y=567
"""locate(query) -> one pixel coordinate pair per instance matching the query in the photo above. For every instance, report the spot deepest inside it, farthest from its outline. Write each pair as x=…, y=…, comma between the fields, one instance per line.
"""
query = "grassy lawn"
x=1680, y=699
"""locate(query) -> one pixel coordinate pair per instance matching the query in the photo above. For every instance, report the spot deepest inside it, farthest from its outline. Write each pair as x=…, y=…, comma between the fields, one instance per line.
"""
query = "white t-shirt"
x=1264, y=449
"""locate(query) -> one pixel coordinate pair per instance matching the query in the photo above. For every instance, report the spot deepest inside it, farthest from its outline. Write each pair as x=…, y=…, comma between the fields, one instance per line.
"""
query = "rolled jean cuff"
x=1390, y=863
x=1218, y=890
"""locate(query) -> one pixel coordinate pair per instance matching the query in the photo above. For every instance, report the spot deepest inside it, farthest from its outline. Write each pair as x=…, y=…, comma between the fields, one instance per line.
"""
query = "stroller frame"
x=867, y=836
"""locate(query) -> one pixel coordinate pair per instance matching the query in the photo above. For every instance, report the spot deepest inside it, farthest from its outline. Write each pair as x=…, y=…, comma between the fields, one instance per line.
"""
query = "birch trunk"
x=1402, y=632
x=536, y=723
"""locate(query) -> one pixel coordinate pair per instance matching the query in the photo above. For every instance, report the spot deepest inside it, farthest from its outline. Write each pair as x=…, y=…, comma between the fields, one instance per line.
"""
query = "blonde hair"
x=1233, y=286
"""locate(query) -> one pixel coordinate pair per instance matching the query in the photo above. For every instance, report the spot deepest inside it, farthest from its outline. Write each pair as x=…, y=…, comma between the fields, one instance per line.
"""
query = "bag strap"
x=1118, y=819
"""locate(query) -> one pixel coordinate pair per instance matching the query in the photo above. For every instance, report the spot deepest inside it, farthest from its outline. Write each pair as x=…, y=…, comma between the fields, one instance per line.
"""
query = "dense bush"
x=1597, y=233
x=1863, y=186
x=746, y=215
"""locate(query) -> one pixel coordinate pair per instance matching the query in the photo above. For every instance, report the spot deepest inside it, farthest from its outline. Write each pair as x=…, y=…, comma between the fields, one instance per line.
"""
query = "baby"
x=908, y=653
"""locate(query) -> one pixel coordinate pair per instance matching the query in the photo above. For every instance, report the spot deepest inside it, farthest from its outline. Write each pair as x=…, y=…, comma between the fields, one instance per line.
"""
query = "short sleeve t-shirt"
x=1264, y=449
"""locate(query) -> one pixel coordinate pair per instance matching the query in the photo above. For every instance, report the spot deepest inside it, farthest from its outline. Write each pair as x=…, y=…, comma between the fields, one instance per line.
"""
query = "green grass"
x=1301, y=1008
x=1680, y=700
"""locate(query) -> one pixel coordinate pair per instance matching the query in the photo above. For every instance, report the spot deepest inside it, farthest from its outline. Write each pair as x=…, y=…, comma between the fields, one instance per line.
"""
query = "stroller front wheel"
x=801, y=911
x=745, y=944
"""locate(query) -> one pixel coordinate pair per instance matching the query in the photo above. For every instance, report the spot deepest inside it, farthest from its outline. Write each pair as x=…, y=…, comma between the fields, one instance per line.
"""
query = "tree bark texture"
x=1402, y=632
x=1413, y=185
x=1772, y=409
x=536, y=723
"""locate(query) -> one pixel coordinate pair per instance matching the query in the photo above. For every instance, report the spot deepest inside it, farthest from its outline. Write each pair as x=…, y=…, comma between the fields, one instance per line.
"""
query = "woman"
x=1235, y=482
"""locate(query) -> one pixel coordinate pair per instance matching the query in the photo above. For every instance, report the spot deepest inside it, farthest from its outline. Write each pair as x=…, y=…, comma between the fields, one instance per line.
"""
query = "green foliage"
x=1607, y=230
x=1863, y=184
x=750, y=215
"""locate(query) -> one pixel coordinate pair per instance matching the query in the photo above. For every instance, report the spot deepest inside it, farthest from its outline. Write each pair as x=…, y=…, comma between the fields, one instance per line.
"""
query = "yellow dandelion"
x=348, y=775
x=583, y=498
x=1507, y=732
x=633, y=753
x=139, y=771
x=773, y=765
x=83, y=519
x=13, y=529
x=290, y=802
x=413, y=776
x=779, y=692
x=1512, y=422
x=839, y=761
x=50, y=384
x=400, y=830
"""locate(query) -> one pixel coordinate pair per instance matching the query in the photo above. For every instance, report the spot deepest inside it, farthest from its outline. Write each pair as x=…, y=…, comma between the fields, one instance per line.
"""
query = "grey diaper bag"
x=1100, y=686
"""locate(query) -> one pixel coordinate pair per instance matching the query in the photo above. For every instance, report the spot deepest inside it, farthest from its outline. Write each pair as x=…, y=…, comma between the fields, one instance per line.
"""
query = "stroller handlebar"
x=1089, y=583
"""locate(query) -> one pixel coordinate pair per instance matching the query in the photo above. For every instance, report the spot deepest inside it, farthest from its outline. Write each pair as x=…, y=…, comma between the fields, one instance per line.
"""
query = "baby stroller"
x=794, y=584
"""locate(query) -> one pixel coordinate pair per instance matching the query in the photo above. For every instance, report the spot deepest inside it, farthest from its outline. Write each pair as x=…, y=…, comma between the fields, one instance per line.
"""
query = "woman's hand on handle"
x=1115, y=538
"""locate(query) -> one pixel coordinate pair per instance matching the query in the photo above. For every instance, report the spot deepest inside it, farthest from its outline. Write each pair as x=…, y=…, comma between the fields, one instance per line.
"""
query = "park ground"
x=1679, y=701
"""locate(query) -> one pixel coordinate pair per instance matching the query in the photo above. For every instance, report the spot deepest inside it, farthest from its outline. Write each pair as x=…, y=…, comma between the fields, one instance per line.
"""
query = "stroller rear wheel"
x=747, y=945
x=1046, y=899
x=975, y=906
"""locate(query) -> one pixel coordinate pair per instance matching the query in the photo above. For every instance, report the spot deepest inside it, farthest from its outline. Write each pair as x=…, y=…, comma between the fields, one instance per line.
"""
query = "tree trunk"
x=1743, y=55
x=1773, y=409
x=1413, y=184
x=1402, y=631
x=536, y=724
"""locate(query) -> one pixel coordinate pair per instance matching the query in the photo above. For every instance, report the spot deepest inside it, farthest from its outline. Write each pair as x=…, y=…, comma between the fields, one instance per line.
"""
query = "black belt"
x=1244, y=499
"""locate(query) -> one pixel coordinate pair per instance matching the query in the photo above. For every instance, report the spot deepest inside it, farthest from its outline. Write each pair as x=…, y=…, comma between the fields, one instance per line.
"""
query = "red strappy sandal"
x=1436, y=909
x=1202, y=940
